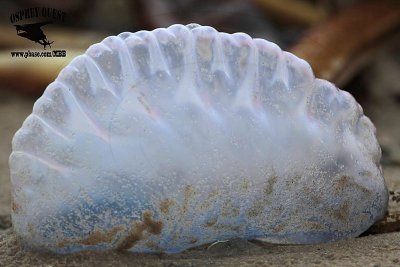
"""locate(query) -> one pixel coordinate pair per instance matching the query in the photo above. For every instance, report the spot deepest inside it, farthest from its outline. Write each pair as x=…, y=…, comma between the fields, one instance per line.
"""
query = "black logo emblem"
x=34, y=33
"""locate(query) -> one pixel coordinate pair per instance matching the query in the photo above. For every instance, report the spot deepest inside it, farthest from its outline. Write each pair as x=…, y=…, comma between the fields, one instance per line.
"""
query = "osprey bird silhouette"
x=34, y=33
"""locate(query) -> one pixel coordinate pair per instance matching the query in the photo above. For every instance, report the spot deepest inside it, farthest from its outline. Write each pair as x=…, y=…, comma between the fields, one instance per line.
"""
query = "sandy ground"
x=380, y=249
x=376, y=250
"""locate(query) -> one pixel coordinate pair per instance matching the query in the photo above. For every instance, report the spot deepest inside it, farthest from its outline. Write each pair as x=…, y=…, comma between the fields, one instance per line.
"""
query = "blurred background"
x=353, y=43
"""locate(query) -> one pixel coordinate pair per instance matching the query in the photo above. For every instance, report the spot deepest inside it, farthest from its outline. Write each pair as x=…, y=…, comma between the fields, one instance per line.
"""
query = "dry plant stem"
x=295, y=11
x=31, y=75
x=151, y=14
x=389, y=224
x=331, y=47
x=5, y=221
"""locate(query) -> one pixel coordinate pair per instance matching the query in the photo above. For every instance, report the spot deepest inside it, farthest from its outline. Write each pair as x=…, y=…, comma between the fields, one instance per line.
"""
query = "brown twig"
x=5, y=221
x=31, y=75
x=295, y=11
x=389, y=224
x=334, y=48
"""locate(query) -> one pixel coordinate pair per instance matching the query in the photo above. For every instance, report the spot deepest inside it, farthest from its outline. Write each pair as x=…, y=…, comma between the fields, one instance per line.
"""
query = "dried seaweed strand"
x=331, y=46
